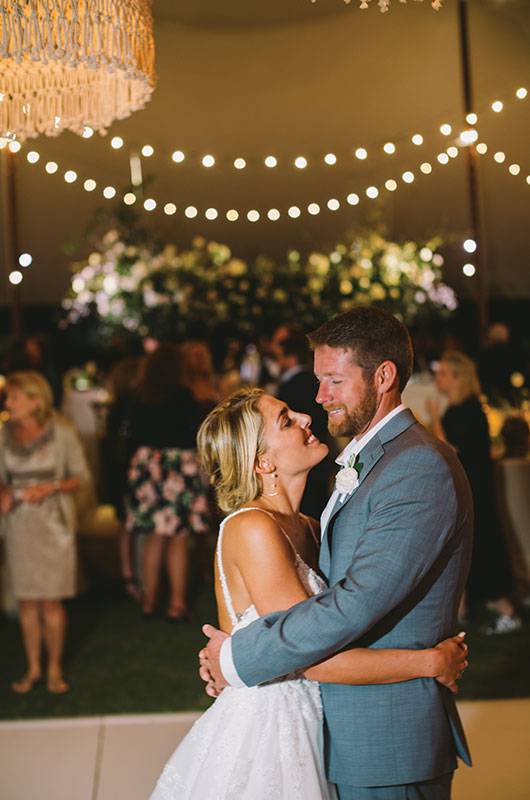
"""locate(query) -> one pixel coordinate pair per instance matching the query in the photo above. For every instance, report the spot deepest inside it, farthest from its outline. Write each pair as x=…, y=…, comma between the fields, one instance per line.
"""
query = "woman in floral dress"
x=167, y=496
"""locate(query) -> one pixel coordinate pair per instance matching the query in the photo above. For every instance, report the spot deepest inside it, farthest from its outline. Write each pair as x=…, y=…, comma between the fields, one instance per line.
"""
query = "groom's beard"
x=354, y=421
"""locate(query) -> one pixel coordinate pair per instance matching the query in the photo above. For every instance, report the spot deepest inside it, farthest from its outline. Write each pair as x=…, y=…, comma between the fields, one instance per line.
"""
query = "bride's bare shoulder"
x=255, y=531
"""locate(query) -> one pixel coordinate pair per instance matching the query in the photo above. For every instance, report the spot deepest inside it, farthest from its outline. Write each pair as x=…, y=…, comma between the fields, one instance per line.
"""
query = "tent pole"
x=480, y=257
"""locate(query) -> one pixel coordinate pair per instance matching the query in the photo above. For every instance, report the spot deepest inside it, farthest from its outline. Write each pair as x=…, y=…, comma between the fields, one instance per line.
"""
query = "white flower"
x=346, y=480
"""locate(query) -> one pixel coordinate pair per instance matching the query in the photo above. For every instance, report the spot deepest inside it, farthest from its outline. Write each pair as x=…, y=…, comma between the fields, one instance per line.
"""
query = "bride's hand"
x=451, y=661
x=209, y=659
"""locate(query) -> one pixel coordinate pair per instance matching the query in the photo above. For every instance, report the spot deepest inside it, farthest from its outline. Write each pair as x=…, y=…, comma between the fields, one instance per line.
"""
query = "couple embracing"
x=337, y=662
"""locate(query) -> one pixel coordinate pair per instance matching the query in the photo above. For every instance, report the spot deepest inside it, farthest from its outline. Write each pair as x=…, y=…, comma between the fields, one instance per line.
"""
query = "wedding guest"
x=465, y=426
x=298, y=388
x=515, y=434
x=42, y=466
x=116, y=452
x=167, y=495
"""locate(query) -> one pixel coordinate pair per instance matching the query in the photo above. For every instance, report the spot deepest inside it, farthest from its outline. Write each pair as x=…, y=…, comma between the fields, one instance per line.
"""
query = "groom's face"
x=349, y=399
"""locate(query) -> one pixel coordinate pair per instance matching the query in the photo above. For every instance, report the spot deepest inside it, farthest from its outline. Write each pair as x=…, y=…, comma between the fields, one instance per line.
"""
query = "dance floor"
x=105, y=758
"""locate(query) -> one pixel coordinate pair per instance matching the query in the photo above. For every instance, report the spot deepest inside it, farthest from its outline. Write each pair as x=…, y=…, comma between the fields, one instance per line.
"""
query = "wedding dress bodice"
x=311, y=581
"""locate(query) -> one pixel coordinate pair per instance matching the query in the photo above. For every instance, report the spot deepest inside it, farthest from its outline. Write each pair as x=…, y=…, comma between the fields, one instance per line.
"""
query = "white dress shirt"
x=353, y=448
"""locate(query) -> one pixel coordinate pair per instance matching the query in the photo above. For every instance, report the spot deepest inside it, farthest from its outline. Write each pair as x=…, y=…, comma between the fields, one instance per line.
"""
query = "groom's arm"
x=413, y=513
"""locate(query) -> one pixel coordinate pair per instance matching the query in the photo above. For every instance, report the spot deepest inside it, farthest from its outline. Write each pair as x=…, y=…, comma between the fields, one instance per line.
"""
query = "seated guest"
x=465, y=426
x=42, y=466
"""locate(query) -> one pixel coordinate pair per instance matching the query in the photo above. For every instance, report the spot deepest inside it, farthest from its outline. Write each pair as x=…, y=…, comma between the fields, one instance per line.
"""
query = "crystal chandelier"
x=68, y=64
x=384, y=5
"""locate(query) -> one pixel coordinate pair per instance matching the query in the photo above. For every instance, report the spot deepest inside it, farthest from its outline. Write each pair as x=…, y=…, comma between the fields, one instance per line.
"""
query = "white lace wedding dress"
x=259, y=743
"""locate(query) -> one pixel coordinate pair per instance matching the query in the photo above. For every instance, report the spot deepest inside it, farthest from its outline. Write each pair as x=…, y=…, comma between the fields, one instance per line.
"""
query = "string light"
x=116, y=142
x=109, y=192
x=521, y=93
x=14, y=146
x=150, y=204
x=89, y=185
x=372, y=192
x=514, y=169
x=294, y=212
x=471, y=118
x=211, y=213
x=468, y=270
x=391, y=185
x=361, y=153
x=389, y=148
x=426, y=168
x=51, y=167
x=443, y=158
x=500, y=157
x=482, y=148
x=147, y=151
x=497, y=106
x=87, y=132
x=271, y=162
x=178, y=156
x=33, y=156
x=129, y=198
x=333, y=204
x=253, y=215
x=190, y=212
x=300, y=162
x=25, y=259
x=240, y=163
x=70, y=176
x=330, y=159
x=15, y=277
x=232, y=215
x=469, y=136
x=170, y=209
x=417, y=139
x=452, y=151
x=470, y=245
x=408, y=177
x=208, y=161
x=313, y=209
x=353, y=199
x=273, y=214
x=446, y=129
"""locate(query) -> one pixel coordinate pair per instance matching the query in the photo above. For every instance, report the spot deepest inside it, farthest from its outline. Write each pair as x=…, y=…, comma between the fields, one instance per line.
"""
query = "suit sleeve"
x=412, y=517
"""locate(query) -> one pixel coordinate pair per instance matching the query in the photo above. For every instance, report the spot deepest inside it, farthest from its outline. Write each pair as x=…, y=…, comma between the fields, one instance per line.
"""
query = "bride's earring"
x=274, y=487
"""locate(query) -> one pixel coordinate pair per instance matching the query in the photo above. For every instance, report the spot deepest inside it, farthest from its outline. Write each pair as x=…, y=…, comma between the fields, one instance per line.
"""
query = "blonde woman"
x=465, y=426
x=42, y=466
x=266, y=741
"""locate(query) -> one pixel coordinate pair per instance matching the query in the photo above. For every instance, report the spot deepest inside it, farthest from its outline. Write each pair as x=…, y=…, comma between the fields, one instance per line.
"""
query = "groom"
x=396, y=543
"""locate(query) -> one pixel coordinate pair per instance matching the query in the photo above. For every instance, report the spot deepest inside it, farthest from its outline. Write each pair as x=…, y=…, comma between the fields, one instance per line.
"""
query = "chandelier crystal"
x=68, y=64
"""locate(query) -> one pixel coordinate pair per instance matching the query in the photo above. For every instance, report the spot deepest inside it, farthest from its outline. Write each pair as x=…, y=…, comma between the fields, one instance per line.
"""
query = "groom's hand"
x=209, y=659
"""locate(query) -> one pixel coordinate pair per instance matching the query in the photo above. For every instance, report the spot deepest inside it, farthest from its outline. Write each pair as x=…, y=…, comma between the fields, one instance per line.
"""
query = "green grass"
x=119, y=663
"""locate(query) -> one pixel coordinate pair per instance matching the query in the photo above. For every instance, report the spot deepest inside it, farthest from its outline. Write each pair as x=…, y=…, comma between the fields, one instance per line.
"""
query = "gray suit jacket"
x=396, y=555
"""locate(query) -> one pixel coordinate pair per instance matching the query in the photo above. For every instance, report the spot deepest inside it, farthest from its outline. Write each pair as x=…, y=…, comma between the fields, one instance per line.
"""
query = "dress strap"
x=222, y=576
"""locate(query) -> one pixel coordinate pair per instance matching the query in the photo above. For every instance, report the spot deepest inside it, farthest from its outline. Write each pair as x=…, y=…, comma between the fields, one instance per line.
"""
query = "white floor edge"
x=120, y=756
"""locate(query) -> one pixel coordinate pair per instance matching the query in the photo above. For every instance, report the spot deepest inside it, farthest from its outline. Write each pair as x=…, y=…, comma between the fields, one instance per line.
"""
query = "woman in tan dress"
x=41, y=467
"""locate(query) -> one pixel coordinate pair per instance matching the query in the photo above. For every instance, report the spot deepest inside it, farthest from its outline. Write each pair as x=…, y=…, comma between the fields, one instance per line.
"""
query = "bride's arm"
x=444, y=662
x=265, y=561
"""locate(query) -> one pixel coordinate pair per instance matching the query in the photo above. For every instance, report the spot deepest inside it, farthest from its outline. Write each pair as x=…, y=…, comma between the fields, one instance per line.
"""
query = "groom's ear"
x=386, y=377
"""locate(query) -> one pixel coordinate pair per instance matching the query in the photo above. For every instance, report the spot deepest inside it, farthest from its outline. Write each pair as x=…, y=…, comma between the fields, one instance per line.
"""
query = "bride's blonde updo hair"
x=229, y=441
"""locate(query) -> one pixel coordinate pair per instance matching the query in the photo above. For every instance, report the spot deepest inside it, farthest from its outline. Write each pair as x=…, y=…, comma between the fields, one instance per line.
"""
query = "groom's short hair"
x=373, y=336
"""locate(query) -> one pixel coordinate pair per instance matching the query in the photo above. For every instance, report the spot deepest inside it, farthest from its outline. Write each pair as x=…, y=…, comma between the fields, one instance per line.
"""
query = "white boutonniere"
x=347, y=478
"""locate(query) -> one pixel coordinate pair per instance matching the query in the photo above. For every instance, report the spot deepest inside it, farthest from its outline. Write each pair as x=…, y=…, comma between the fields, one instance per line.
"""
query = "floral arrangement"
x=166, y=293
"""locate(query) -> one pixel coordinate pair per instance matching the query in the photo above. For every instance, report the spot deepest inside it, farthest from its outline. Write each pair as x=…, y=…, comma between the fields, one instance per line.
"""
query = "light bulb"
x=300, y=162
x=426, y=168
x=15, y=277
x=149, y=204
x=70, y=176
x=33, y=156
x=408, y=177
x=417, y=139
x=240, y=163
x=482, y=148
x=14, y=146
x=116, y=142
x=232, y=215
x=51, y=167
x=253, y=215
x=443, y=158
x=361, y=153
x=178, y=156
x=469, y=136
x=25, y=259
x=87, y=132
x=330, y=158
x=452, y=152
x=89, y=185
x=468, y=270
x=471, y=118
x=497, y=106
x=333, y=204
x=273, y=214
x=147, y=150
x=500, y=157
x=372, y=192
x=271, y=162
x=190, y=212
x=170, y=209
x=514, y=169
x=389, y=148
x=446, y=129
x=109, y=192
x=313, y=209
x=391, y=185
x=129, y=198
x=521, y=93
x=208, y=161
x=211, y=213
x=352, y=199
x=294, y=212
x=470, y=245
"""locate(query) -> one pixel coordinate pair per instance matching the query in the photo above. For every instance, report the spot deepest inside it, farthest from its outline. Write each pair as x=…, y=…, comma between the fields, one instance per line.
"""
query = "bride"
x=267, y=741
